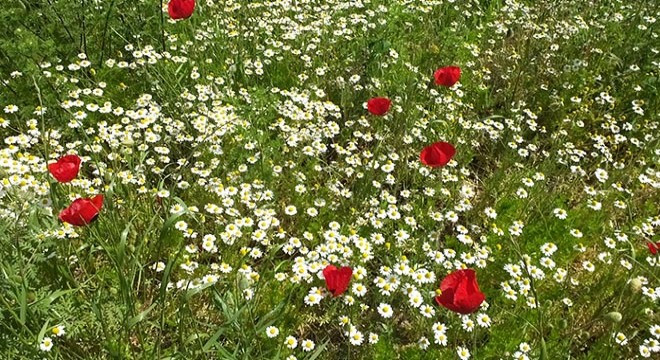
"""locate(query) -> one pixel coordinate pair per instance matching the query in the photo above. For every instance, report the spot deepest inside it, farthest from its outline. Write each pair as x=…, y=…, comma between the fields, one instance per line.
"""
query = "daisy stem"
x=105, y=31
x=532, y=286
x=517, y=316
x=43, y=123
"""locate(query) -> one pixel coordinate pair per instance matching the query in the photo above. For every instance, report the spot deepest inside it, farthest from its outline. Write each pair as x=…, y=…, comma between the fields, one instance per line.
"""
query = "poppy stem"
x=83, y=34
x=162, y=26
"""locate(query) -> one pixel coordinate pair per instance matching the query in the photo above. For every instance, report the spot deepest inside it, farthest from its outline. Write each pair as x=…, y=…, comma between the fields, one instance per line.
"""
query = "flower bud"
x=614, y=316
x=648, y=312
x=243, y=282
x=636, y=284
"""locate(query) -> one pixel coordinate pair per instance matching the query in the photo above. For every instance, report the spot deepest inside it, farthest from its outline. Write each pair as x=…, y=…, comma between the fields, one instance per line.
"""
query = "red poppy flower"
x=65, y=169
x=82, y=211
x=437, y=154
x=460, y=292
x=447, y=76
x=379, y=106
x=653, y=248
x=337, y=279
x=180, y=9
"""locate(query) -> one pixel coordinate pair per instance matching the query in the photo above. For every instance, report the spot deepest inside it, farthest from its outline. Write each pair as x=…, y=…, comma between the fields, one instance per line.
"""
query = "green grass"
x=252, y=107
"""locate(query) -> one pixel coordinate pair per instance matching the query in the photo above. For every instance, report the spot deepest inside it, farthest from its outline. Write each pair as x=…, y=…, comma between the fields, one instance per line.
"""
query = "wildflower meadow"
x=327, y=179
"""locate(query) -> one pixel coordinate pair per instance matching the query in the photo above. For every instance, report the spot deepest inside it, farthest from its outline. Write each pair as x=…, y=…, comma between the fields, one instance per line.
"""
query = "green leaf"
x=318, y=351
x=44, y=328
x=213, y=340
x=270, y=317
x=192, y=292
x=55, y=295
x=141, y=316
x=23, y=304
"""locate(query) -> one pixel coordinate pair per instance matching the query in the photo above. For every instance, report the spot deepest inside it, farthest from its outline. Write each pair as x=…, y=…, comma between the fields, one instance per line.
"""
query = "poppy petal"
x=65, y=169
x=446, y=299
x=330, y=276
x=82, y=211
x=344, y=278
x=337, y=280
x=447, y=76
x=180, y=9
x=379, y=106
x=437, y=154
x=460, y=292
x=468, y=298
